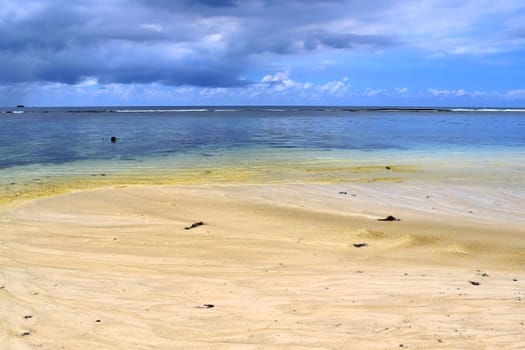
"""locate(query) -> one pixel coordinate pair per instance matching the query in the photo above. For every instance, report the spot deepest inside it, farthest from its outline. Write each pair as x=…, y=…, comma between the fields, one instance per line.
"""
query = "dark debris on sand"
x=360, y=245
x=389, y=218
x=196, y=224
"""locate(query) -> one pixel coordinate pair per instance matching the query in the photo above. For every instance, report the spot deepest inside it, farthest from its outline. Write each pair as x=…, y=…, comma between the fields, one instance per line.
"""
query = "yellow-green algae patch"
x=28, y=189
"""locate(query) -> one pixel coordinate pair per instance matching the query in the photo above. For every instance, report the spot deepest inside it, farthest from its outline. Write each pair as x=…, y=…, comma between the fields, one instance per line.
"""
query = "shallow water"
x=49, y=150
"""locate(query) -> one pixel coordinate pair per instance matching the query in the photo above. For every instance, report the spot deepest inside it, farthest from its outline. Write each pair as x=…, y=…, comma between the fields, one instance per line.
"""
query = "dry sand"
x=114, y=268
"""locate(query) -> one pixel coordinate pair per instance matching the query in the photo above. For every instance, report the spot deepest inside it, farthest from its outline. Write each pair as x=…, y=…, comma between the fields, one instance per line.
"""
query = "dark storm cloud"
x=201, y=43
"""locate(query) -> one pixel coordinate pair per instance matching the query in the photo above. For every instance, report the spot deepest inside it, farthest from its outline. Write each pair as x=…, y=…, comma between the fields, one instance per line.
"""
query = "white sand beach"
x=273, y=267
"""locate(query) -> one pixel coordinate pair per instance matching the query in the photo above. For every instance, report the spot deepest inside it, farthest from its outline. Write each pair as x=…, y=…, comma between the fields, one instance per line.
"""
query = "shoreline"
x=114, y=267
x=19, y=184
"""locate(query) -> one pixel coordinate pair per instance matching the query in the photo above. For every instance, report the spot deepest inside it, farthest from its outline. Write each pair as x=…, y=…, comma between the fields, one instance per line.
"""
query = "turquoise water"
x=212, y=144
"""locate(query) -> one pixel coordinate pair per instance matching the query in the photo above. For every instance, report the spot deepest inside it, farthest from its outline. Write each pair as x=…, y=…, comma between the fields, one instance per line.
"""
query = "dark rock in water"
x=359, y=245
x=113, y=139
x=196, y=224
x=474, y=283
x=20, y=106
x=389, y=218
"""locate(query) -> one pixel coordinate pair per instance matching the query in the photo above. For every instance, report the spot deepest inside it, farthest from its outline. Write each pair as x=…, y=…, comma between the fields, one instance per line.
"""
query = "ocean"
x=50, y=150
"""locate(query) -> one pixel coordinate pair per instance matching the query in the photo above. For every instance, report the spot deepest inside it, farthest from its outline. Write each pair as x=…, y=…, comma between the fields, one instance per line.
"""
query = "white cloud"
x=436, y=92
x=518, y=94
x=281, y=82
x=152, y=27
x=89, y=81
x=374, y=92
x=213, y=38
x=335, y=88
x=461, y=92
x=457, y=93
x=277, y=77
x=213, y=91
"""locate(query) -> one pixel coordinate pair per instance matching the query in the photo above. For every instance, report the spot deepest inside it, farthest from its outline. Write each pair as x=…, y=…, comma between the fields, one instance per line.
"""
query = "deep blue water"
x=62, y=135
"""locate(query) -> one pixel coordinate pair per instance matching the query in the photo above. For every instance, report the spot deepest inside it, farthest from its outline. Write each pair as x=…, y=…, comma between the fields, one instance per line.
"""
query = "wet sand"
x=274, y=267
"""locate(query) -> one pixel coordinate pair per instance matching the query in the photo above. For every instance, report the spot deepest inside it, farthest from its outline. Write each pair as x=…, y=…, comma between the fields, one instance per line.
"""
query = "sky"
x=262, y=52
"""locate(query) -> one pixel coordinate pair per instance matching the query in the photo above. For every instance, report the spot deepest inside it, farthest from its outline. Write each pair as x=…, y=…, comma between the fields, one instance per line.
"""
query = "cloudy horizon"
x=262, y=52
